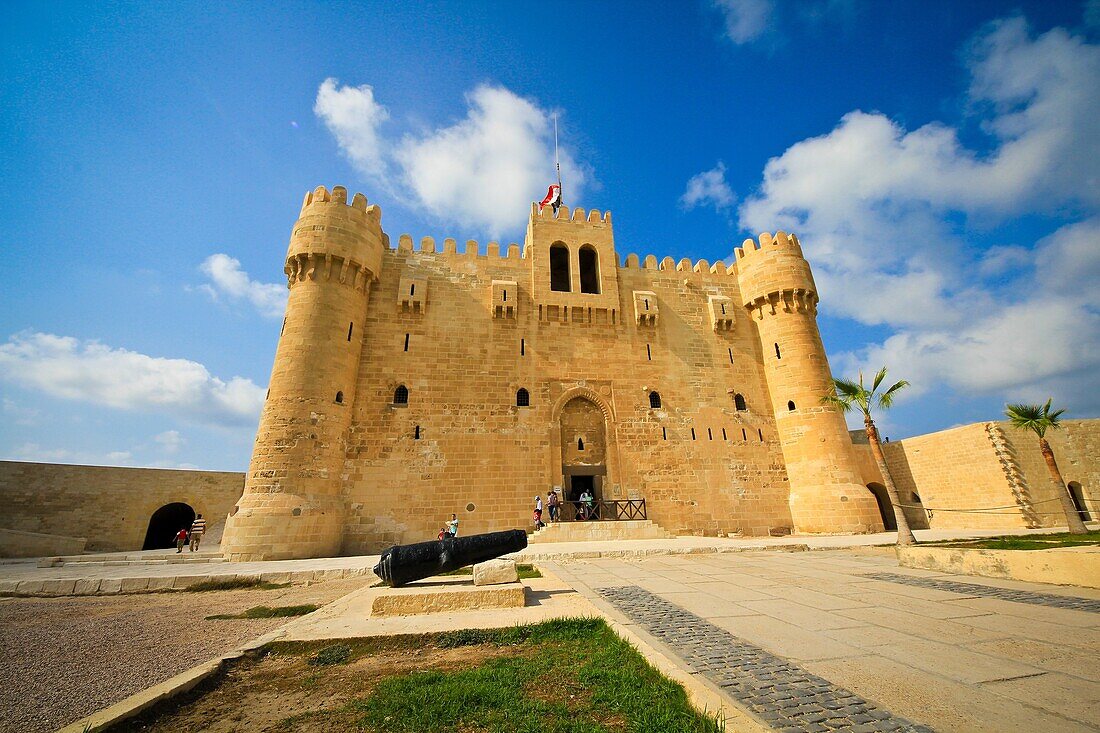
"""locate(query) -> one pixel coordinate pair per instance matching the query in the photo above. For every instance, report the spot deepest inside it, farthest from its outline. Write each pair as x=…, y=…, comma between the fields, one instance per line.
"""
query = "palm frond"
x=844, y=405
x=1030, y=417
x=878, y=378
x=886, y=399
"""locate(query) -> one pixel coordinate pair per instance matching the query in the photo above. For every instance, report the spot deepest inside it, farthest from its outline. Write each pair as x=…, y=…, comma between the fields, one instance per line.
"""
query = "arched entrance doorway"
x=583, y=450
x=885, y=509
x=165, y=523
x=1078, y=495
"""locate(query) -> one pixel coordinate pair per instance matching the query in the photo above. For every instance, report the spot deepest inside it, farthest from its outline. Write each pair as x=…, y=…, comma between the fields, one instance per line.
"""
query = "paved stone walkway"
x=782, y=694
x=1005, y=594
x=973, y=661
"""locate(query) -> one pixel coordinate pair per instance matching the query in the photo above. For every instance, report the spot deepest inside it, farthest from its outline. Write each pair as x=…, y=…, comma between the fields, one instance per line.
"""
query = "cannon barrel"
x=402, y=564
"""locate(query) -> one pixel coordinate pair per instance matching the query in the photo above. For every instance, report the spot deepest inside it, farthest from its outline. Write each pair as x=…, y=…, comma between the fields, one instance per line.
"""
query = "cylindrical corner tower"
x=293, y=505
x=778, y=290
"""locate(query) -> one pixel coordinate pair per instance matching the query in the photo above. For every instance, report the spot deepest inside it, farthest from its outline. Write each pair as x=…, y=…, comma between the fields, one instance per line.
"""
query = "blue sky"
x=937, y=159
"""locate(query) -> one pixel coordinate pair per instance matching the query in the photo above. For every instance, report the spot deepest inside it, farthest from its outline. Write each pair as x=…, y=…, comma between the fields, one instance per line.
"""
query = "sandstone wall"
x=985, y=465
x=109, y=506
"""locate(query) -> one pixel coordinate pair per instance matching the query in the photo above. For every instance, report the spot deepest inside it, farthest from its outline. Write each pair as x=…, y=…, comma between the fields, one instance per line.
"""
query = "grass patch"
x=560, y=676
x=1024, y=542
x=231, y=584
x=332, y=654
x=267, y=612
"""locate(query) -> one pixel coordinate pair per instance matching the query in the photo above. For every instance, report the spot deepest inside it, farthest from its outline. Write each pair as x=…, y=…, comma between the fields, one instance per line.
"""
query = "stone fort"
x=413, y=382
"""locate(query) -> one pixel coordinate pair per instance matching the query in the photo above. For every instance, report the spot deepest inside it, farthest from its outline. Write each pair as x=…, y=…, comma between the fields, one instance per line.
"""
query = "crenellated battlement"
x=684, y=266
x=563, y=214
x=339, y=195
x=768, y=243
x=470, y=249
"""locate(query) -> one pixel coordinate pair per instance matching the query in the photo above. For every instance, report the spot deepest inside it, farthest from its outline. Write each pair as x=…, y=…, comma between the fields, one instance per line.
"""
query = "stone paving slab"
x=1005, y=594
x=782, y=694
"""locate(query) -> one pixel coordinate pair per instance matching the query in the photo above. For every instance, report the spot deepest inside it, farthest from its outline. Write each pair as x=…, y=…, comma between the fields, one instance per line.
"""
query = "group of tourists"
x=449, y=530
x=194, y=535
x=585, y=507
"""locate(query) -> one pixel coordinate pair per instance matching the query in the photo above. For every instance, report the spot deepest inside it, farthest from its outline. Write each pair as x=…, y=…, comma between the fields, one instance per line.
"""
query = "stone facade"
x=410, y=383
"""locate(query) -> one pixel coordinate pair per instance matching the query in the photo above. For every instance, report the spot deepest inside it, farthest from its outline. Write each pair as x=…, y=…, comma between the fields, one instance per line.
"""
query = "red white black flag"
x=553, y=197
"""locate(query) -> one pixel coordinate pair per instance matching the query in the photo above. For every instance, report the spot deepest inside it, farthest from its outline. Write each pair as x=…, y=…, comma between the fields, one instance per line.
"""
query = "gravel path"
x=64, y=658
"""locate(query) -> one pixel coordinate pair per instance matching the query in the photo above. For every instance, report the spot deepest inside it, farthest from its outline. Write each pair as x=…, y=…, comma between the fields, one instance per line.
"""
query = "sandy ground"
x=64, y=658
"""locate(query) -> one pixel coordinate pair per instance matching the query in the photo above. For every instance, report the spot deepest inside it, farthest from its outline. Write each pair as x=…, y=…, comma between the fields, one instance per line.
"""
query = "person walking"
x=198, y=528
x=181, y=539
x=452, y=526
x=538, y=513
x=552, y=504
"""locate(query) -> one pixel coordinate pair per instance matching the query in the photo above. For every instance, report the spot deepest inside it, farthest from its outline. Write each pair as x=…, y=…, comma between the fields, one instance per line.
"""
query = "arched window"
x=401, y=395
x=523, y=398
x=739, y=403
x=339, y=398
x=654, y=400
x=589, y=263
x=790, y=405
x=559, y=268
x=580, y=443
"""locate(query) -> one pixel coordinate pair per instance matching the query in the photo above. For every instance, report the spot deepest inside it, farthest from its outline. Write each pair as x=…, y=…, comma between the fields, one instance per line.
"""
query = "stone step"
x=634, y=529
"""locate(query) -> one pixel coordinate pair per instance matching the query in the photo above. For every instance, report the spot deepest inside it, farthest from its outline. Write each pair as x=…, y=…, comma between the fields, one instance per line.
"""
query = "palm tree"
x=1039, y=419
x=850, y=395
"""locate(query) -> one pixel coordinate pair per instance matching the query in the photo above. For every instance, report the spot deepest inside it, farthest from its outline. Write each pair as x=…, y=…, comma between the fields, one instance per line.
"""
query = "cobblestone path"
x=780, y=693
x=985, y=591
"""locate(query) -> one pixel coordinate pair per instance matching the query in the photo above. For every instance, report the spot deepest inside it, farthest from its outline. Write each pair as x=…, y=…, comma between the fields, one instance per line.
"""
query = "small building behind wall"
x=109, y=506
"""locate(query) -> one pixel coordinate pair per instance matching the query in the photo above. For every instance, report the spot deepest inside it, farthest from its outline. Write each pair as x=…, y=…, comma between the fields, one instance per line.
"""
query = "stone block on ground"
x=415, y=600
x=495, y=572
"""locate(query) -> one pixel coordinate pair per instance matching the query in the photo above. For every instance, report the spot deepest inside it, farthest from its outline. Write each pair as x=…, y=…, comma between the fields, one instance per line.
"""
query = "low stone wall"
x=1062, y=566
x=111, y=506
x=15, y=543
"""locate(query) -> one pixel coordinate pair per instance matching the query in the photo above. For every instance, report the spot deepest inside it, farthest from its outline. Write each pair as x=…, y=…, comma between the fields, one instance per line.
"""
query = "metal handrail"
x=606, y=510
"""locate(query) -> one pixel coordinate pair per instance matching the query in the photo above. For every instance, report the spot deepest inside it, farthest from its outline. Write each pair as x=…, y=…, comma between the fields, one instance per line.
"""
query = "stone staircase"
x=633, y=529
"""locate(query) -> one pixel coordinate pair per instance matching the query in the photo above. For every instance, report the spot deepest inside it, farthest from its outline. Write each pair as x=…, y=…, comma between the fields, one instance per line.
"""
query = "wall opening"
x=1077, y=494
x=760, y=434
x=654, y=400
x=648, y=353
x=744, y=435
x=559, y=268
x=580, y=443
x=885, y=510
x=523, y=398
x=739, y=402
x=693, y=433
x=339, y=397
x=523, y=347
x=401, y=395
x=790, y=405
x=730, y=349
x=416, y=433
x=710, y=435
x=589, y=263
x=406, y=342
x=412, y=288
x=165, y=523
x=664, y=434
x=350, y=327
x=724, y=434
x=777, y=354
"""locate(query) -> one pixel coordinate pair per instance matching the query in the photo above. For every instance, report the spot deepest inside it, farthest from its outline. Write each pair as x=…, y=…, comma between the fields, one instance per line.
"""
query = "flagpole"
x=557, y=163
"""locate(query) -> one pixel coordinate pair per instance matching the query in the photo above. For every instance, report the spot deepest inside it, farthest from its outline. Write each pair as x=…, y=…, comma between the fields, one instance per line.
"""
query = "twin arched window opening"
x=561, y=279
x=654, y=400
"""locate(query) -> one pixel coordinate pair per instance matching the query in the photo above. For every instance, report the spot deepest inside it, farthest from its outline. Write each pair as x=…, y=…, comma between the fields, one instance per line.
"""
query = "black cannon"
x=402, y=564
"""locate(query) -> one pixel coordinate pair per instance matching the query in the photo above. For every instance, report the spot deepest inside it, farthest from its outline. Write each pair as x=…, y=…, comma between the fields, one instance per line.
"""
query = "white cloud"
x=17, y=414
x=708, y=188
x=170, y=441
x=229, y=280
x=354, y=117
x=36, y=453
x=91, y=372
x=483, y=171
x=745, y=20
x=886, y=215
